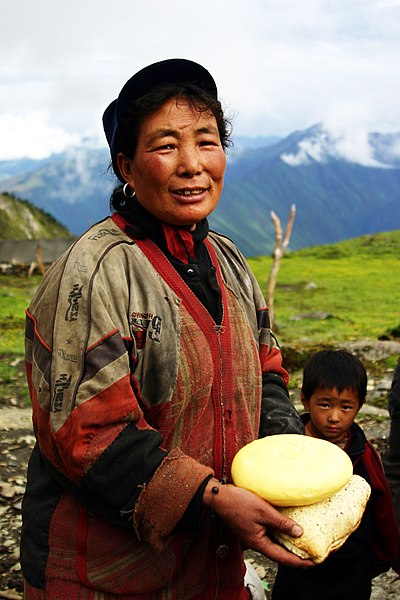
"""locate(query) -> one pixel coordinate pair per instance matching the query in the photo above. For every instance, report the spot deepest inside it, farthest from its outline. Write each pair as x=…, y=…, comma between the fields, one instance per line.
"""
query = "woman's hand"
x=250, y=517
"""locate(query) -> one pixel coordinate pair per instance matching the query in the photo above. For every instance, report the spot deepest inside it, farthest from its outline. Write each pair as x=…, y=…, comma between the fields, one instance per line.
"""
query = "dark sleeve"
x=385, y=547
x=394, y=395
x=111, y=487
x=278, y=415
x=391, y=458
x=191, y=516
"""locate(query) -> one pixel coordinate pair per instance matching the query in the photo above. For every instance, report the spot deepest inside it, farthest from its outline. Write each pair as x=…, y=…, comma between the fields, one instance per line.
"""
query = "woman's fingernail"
x=296, y=531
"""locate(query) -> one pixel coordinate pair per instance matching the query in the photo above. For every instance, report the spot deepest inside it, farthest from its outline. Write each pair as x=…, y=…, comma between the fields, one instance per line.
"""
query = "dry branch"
x=279, y=250
x=38, y=262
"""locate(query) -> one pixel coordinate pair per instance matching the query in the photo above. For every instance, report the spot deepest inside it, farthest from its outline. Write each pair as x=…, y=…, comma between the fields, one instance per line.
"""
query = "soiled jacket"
x=138, y=397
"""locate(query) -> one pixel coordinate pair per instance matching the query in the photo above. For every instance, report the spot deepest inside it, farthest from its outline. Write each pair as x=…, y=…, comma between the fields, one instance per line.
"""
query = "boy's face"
x=332, y=413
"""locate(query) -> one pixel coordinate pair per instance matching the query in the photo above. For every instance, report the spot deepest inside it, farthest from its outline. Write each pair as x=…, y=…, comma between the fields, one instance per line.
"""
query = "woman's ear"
x=125, y=168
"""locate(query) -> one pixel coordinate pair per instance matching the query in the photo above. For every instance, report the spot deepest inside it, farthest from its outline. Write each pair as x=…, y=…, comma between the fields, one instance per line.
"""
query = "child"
x=333, y=391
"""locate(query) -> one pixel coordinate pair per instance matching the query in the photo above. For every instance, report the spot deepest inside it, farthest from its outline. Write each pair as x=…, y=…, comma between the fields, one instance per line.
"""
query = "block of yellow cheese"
x=291, y=470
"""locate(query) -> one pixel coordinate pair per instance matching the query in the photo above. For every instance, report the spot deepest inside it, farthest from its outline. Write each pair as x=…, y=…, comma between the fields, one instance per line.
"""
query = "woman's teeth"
x=190, y=192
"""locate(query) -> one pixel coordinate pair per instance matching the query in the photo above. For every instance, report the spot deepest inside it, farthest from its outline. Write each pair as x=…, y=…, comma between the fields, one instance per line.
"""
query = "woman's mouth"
x=190, y=193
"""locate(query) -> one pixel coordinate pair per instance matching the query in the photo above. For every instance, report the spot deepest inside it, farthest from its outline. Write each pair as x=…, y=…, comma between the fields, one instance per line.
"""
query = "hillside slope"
x=21, y=220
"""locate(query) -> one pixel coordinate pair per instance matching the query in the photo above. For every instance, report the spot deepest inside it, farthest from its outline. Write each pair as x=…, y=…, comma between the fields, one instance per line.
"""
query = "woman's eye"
x=208, y=143
x=162, y=147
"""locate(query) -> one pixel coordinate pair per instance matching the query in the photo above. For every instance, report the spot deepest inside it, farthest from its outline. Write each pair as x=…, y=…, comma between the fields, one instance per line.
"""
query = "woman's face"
x=178, y=167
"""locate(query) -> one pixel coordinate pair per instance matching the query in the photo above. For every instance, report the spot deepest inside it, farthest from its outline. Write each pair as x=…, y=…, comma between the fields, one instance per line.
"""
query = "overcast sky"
x=280, y=65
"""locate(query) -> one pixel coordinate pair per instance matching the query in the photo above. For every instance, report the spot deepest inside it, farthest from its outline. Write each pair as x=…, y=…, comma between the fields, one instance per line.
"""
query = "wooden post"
x=38, y=262
x=279, y=250
x=39, y=258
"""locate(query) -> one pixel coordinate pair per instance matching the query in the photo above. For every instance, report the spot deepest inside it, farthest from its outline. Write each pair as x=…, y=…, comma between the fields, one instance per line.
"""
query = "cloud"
x=279, y=66
x=354, y=146
x=32, y=136
x=394, y=149
x=312, y=149
x=351, y=143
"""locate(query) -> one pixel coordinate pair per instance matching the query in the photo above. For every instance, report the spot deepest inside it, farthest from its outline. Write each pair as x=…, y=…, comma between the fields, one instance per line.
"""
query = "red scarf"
x=179, y=242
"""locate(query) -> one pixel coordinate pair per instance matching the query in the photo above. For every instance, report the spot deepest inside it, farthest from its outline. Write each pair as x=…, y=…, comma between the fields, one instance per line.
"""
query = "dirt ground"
x=16, y=441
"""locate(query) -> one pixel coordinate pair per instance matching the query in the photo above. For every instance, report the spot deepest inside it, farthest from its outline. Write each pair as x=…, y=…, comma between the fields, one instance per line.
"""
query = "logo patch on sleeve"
x=145, y=325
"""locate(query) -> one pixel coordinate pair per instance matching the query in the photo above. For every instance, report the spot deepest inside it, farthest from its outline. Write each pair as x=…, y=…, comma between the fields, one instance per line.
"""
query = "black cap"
x=173, y=70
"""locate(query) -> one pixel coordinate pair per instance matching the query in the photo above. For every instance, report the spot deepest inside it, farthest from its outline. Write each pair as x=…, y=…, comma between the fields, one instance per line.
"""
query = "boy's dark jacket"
x=370, y=550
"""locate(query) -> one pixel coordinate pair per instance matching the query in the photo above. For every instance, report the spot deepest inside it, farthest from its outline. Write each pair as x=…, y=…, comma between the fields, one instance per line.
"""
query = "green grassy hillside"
x=337, y=292
x=21, y=220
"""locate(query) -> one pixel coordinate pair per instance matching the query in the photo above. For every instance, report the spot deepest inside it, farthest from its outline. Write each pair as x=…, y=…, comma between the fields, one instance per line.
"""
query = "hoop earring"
x=124, y=191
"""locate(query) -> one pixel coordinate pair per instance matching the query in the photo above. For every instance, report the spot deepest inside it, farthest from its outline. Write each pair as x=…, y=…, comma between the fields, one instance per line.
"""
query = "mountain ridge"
x=338, y=193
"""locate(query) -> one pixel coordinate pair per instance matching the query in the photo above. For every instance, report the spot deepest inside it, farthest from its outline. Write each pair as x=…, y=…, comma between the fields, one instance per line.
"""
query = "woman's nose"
x=189, y=163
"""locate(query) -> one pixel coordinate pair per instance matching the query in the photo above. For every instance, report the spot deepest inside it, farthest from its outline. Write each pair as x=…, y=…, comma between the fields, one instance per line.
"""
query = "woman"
x=150, y=363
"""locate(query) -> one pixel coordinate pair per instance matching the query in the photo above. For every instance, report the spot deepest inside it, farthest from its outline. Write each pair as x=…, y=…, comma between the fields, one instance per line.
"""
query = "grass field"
x=324, y=295
x=331, y=293
x=15, y=295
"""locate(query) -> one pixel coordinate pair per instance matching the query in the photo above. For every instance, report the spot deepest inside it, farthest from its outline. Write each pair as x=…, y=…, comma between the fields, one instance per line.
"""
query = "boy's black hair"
x=334, y=369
